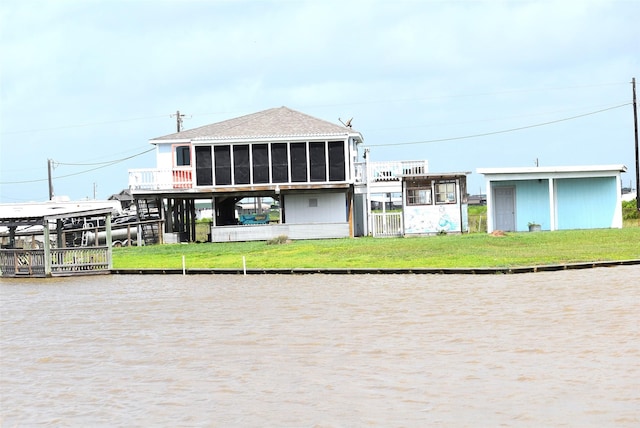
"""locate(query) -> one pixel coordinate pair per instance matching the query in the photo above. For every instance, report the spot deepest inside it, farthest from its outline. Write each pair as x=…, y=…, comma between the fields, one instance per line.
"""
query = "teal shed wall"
x=532, y=202
x=586, y=203
x=582, y=203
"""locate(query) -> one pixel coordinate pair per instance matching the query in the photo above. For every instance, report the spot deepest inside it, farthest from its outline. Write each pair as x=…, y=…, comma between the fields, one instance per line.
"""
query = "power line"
x=439, y=140
x=102, y=165
x=113, y=162
x=56, y=128
x=106, y=162
x=469, y=95
x=179, y=116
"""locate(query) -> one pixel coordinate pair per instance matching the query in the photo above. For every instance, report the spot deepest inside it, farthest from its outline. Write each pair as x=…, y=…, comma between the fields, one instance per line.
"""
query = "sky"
x=462, y=84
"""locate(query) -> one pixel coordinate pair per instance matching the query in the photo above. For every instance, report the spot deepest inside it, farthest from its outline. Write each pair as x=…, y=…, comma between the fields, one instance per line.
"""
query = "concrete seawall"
x=377, y=271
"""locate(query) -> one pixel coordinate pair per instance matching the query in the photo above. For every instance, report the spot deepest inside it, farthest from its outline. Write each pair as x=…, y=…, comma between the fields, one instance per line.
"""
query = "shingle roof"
x=281, y=122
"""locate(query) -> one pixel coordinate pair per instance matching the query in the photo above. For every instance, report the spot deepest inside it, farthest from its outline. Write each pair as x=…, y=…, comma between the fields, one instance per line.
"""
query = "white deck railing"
x=182, y=178
x=160, y=179
x=389, y=171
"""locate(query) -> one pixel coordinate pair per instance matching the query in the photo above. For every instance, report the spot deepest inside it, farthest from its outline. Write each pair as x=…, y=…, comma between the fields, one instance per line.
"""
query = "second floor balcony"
x=184, y=178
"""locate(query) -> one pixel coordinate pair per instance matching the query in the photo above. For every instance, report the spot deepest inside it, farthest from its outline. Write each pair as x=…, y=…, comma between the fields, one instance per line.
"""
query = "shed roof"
x=438, y=175
x=38, y=212
x=281, y=122
x=552, y=172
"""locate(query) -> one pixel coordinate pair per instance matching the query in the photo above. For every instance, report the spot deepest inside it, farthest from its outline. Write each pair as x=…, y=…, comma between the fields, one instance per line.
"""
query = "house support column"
x=350, y=211
x=168, y=225
x=553, y=210
x=192, y=211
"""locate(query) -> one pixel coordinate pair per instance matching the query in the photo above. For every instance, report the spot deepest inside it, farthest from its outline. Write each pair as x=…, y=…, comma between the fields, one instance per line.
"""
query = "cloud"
x=405, y=70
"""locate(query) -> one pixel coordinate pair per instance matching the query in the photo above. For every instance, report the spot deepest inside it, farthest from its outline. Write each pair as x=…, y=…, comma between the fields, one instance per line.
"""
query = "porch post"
x=12, y=236
x=350, y=211
x=107, y=224
x=368, y=184
x=617, y=217
x=490, y=215
x=47, y=247
x=552, y=205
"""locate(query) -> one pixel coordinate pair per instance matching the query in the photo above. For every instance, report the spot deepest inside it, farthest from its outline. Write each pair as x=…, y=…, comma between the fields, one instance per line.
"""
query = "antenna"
x=348, y=124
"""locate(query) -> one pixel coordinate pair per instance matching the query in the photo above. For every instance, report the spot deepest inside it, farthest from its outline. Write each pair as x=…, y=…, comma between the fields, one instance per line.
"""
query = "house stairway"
x=148, y=210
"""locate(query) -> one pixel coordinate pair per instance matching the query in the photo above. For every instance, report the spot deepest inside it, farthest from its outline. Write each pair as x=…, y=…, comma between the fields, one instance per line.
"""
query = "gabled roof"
x=281, y=122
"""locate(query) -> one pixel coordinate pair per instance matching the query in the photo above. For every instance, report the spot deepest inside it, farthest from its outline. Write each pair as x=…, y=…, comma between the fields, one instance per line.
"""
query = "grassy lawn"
x=476, y=250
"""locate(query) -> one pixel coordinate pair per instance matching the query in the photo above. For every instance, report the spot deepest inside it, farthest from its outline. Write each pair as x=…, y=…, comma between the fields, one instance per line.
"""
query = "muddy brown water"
x=539, y=349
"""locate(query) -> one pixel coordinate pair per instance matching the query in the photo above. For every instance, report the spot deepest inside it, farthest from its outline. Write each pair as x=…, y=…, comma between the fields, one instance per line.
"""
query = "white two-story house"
x=308, y=167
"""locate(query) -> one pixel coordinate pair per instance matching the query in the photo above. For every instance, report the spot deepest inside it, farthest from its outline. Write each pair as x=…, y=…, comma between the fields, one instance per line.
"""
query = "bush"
x=629, y=210
x=282, y=239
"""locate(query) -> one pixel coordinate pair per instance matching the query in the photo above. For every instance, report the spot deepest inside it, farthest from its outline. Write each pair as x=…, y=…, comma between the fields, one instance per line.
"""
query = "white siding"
x=315, y=208
x=164, y=157
x=292, y=231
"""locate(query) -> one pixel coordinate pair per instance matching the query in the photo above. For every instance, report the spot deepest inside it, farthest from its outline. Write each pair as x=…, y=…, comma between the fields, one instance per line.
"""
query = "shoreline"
x=375, y=271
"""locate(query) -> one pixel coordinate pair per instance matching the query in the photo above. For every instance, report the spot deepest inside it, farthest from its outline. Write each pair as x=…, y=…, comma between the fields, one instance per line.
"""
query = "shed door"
x=505, y=203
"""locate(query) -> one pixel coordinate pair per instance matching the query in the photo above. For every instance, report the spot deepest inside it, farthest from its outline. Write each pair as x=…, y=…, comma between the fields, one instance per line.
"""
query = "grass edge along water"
x=478, y=250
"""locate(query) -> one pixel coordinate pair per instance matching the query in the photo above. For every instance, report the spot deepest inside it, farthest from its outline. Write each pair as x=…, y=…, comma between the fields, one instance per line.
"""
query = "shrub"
x=629, y=210
x=282, y=239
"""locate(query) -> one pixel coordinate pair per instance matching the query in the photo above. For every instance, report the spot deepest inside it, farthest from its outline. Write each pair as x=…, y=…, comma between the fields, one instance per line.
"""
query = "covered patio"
x=34, y=244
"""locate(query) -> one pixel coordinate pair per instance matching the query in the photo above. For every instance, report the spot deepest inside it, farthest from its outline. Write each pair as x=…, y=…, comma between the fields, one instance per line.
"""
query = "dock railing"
x=17, y=262
x=70, y=260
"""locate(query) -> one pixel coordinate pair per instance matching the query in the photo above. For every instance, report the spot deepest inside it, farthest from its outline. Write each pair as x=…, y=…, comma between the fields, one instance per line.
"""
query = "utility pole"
x=49, y=168
x=178, y=117
x=635, y=126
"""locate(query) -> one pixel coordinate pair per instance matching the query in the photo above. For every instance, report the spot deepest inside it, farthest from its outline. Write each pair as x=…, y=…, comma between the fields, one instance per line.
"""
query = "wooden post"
x=47, y=248
x=107, y=224
x=193, y=219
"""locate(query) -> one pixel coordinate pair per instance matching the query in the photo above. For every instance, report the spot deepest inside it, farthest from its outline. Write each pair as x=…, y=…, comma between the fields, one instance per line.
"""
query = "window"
x=241, y=166
x=298, y=162
x=279, y=163
x=260, y=156
x=317, y=161
x=204, y=172
x=336, y=161
x=446, y=192
x=183, y=157
x=419, y=196
x=222, y=167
